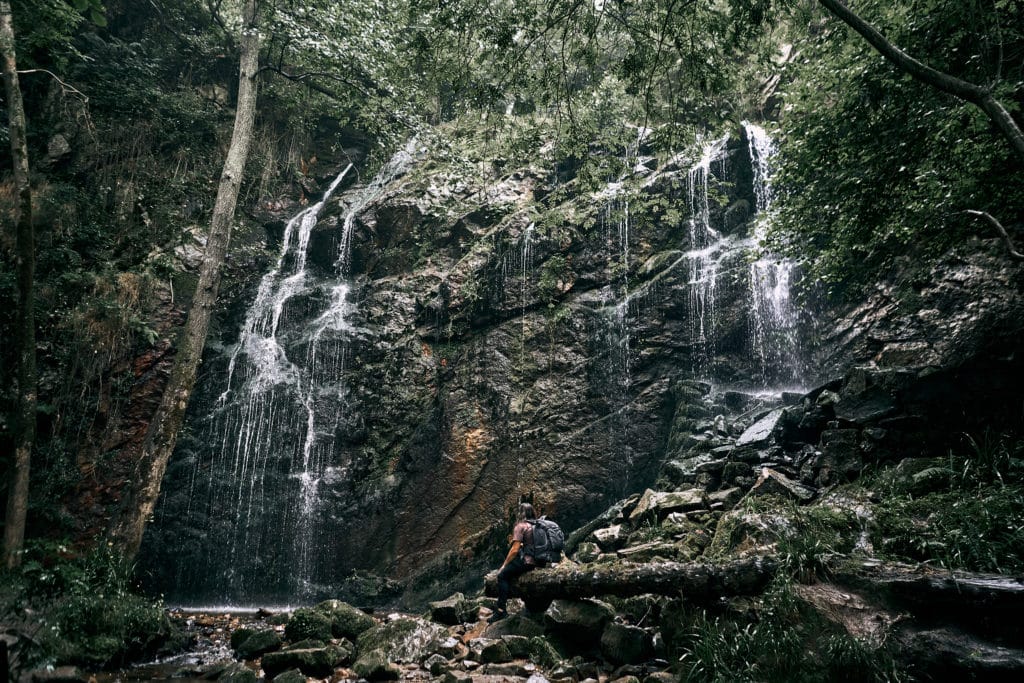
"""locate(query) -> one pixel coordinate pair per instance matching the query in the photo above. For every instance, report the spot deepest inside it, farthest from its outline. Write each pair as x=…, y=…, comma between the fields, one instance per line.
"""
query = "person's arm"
x=512, y=552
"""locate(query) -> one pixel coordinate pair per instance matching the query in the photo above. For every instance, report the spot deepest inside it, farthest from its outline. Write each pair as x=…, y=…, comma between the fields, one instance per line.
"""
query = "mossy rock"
x=306, y=623
x=316, y=662
x=290, y=676
x=307, y=644
x=542, y=653
x=257, y=643
x=374, y=666
x=239, y=635
x=238, y=673
x=346, y=621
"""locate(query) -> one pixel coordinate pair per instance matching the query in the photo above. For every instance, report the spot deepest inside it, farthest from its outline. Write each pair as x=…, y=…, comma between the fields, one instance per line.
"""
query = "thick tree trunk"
x=163, y=431
x=699, y=582
x=969, y=92
x=25, y=341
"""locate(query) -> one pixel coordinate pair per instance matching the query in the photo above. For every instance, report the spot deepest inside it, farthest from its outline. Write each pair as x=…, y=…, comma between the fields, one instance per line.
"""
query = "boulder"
x=868, y=405
x=453, y=610
x=456, y=676
x=374, y=666
x=233, y=673
x=404, y=640
x=514, y=625
x=659, y=504
x=488, y=651
x=759, y=434
x=316, y=662
x=542, y=653
x=840, y=460
x=623, y=644
x=726, y=498
x=257, y=643
x=579, y=621
x=346, y=621
x=307, y=622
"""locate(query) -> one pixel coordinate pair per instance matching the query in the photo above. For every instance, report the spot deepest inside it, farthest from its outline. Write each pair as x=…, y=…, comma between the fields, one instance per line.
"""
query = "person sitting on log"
x=518, y=561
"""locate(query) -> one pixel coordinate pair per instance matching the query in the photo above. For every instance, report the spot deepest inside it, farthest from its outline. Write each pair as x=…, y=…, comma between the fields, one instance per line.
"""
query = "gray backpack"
x=548, y=541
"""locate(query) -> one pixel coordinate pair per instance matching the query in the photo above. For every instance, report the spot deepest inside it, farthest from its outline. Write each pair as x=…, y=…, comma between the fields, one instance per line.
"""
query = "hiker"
x=517, y=562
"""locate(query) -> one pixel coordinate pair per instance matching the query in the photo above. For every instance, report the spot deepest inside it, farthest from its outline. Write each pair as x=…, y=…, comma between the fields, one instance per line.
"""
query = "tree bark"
x=699, y=582
x=162, y=435
x=25, y=329
x=969, y=92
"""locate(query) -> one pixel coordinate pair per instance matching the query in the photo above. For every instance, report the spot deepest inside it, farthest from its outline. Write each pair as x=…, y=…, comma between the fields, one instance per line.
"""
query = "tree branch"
x=969, y=92
x=63, y=85
x=991, y=220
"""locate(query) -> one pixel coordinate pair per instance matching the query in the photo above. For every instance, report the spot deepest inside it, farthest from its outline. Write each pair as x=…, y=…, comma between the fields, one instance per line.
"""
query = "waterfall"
x=773, y=317
x=705, y=243
x=274, y=427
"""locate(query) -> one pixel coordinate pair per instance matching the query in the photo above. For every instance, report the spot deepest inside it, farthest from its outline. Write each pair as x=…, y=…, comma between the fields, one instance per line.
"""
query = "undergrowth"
x=779, y=639
x=965, y=511
x=81, y=610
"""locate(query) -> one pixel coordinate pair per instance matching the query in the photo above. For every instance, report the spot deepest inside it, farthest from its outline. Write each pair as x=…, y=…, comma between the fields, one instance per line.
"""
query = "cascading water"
x=276, y=422
x=773, y=317
x=705, y=243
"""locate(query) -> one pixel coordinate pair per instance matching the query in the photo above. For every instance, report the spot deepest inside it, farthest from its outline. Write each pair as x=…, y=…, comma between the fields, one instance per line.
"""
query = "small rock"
x=775, y=483
x=436, y=665
x=455, y=676
x=611, y=538
x=518, y=646
x=586, y=552
x=453, y=610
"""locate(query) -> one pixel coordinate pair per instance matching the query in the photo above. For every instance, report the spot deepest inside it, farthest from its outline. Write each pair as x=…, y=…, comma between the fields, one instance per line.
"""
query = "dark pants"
x=514, y=569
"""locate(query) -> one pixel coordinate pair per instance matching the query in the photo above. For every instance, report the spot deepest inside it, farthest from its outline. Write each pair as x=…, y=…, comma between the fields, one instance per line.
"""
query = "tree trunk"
x=700, y=582
x=969, y=92
x=163, y=430
x=25, y=339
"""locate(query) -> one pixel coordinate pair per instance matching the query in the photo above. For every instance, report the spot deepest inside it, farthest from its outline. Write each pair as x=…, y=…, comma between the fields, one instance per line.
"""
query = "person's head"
x=525, y=512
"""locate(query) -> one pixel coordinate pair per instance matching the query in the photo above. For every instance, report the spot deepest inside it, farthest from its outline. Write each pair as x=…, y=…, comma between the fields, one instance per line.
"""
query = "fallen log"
x=697, y=581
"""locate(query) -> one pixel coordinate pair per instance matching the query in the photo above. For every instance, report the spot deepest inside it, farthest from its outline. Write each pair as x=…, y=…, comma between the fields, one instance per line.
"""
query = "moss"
x=308, y=623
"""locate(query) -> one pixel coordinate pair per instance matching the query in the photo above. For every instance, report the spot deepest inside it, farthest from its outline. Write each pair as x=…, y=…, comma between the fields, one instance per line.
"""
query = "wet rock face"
x=495, y=347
